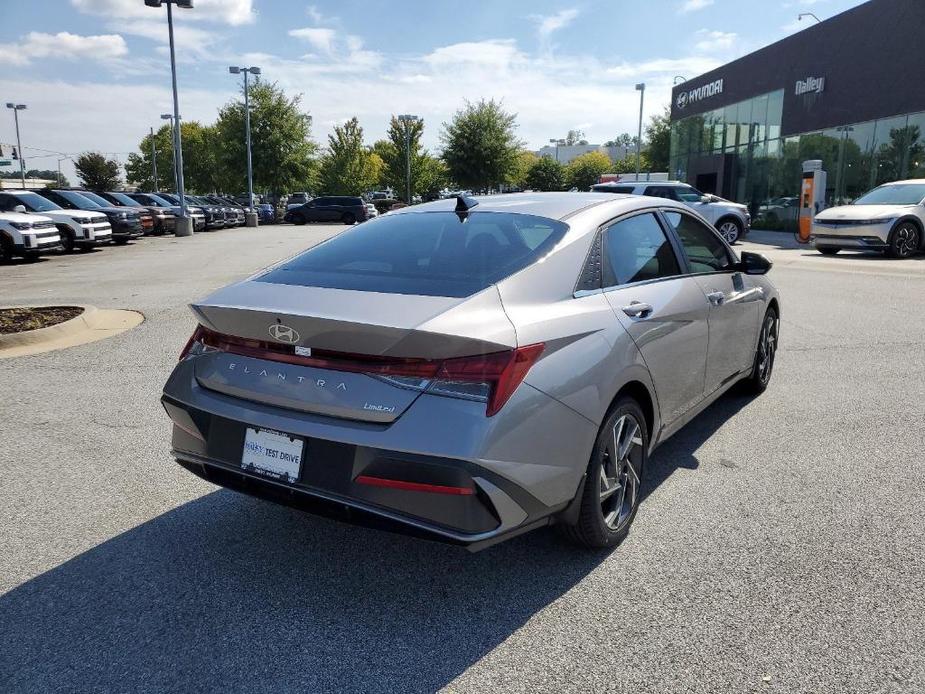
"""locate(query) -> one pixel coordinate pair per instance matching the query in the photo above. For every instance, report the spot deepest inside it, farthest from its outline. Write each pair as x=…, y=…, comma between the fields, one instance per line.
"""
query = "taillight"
x=489, y=378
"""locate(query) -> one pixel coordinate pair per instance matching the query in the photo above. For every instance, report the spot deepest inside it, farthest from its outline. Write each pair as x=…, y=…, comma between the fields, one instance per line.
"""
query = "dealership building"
x=849, y=91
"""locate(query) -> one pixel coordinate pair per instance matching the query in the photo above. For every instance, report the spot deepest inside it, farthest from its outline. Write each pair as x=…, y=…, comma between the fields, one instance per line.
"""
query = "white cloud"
x=65, y=45
x=320, y=38
x=499, y=53
x=547, y=24
x=714, y=41
x=694, y=5
x=231, y=12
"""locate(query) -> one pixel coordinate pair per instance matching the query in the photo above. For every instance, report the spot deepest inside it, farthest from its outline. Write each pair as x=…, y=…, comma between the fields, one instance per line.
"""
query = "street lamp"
x=556, y=142
x=808, y=14
x=678, y=79
x=184, y=225
x=407, y=120
x=22, y=160
x=176, y=186
x=251, y=217
x=153, y=159
x=60, y=175
x=641, y=88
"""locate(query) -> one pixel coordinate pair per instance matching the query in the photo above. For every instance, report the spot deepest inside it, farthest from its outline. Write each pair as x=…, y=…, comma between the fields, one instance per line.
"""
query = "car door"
x=663, y=311
x=312, y=210
x=734, y=298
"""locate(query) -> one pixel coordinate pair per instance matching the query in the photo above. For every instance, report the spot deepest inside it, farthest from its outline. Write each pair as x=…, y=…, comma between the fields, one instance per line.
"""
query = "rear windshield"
x=425, y=253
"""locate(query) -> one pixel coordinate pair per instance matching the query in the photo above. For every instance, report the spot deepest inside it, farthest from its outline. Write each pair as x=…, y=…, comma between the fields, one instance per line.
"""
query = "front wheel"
x=904, y=241
x=348, y=218
x=758, y=381
x=827, y=250
x=731, y=230
x=298, y=219
x=613, y=482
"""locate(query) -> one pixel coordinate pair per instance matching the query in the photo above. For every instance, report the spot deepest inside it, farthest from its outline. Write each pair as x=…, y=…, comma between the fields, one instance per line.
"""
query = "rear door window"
x=426, y=253
x=661, y=192
x=637, y=250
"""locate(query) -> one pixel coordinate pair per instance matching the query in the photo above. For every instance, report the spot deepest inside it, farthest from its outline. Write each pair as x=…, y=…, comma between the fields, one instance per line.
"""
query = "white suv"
x=731, y=219
x=78, y=228
x=26, y=236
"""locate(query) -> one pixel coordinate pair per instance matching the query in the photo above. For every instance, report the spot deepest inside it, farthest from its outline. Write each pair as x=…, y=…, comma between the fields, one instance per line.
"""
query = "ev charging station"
x=812, y=196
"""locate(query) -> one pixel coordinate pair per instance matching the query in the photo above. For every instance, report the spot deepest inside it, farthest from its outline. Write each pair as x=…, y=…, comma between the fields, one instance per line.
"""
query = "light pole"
x=251, y=217
x=808, y=14
x=176, y=185
x=22, y=160
x=556, y=142
x=60, y=176
x=678, y=79
x=408, y=120
x=184, y=225
x=153, y=159
x=641, y=88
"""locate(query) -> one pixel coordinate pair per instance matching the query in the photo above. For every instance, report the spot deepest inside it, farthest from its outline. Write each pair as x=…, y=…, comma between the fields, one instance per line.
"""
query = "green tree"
x=348, y=168
x=525, y=161
x=404, y=137
x=435, y=176
x=96, y=172
x=202, y=170
x=480, y=146
x=281, y=145
x=575, y=137
x=658, y=140
x=585, y=170
x=385, y=151
x=624, y=140
x=546, y=174
x=138, y=169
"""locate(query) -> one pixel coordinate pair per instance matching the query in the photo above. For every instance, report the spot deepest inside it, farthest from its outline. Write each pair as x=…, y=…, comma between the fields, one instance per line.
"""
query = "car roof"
x=549, y=205
x=906, y=182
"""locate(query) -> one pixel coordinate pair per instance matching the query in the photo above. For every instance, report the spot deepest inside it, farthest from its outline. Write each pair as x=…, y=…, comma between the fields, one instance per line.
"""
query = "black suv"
x=330, y=208
x=125, y=223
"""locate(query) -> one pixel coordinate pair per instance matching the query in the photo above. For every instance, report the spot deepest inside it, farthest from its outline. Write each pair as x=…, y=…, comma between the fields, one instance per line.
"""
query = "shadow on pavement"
x=227, y=593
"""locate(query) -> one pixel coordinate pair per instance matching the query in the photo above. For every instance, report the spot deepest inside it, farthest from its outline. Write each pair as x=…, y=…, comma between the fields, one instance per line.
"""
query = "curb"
x=91, y=325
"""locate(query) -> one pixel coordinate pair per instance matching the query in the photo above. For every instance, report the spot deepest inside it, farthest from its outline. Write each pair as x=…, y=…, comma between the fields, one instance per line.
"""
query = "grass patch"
x=18, y=320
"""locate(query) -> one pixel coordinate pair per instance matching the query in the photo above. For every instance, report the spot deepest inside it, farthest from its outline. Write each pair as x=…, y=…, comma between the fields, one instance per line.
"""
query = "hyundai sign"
x=692, y=96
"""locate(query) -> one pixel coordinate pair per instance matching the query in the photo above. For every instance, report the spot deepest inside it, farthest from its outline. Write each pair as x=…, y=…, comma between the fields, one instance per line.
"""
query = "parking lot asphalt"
x=779, y=547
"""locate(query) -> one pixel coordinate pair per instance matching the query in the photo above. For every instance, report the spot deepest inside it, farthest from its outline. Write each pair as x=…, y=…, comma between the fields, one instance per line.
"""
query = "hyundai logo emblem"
x=682, y=100
x=284, y=333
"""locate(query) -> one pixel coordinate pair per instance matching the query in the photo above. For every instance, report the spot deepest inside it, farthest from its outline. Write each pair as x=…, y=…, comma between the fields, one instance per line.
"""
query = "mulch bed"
x=17, y=320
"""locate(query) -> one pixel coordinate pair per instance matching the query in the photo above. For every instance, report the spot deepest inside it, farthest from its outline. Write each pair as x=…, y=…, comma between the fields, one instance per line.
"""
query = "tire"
x=827, y=250
x=765, y=353
x=67, y=239
x=298, y=219
x=120, y=242
x=348, y=218
x=905, y=240
x=604, y=521
x=6, y=250
x=730, y=229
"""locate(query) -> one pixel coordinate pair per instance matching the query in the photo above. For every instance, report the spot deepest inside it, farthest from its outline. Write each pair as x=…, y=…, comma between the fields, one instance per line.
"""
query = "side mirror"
x=754, y=263
x=20, y=208
x=706, y=198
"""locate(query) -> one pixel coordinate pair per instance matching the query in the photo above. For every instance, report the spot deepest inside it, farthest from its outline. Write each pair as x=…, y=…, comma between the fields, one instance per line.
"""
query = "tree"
x=44, y=174
x=525, y=161
x=624, y=140
x=281, y=145
x=575, y=137
x=585, y=170
x=435, y=176
x=480, y=147
x=396, y=156
x=348, y=168
x=96, y=172
x=658, y=140
x=628, y=163
x=546, y=174
x=138, y=167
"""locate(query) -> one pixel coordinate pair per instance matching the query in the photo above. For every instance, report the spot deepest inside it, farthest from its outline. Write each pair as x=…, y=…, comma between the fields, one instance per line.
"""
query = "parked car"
x=266, y=212
x=235, y=214
x=125, y=224
x=162, y=219
x=145, y=217
x=783, y=211
x=27, y=236
x=77, y=228
x=471, y=369
x=199, y=219
x=212, y=215
x=330, y=208
x=298, y=198
x=371, y=211
x=890, y=219
x=731, y=219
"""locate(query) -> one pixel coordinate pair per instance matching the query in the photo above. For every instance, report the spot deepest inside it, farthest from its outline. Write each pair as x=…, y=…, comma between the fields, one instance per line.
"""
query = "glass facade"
x=737, y=152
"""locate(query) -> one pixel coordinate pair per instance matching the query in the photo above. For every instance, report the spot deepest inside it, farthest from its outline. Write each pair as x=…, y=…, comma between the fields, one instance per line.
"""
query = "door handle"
x=716, y=298
x=637, y=309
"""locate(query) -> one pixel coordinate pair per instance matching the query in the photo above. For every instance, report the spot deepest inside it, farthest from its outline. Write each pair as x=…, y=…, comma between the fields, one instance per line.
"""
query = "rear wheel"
x=758, y=381
x=730, y=229
x=904, y=240
x=6, y=250
x=611, y=492
x=827, y=250
x=348, y=218
x=298, y=218
x=120, y=242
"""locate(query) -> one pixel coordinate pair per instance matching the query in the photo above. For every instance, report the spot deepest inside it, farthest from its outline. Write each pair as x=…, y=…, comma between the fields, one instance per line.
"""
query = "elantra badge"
x=283, y=333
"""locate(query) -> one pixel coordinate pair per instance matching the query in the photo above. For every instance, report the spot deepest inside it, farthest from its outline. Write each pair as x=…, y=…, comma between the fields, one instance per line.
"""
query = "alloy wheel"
x=620, y=472
x=767, y=348
x=907, y=240
x=729, y=230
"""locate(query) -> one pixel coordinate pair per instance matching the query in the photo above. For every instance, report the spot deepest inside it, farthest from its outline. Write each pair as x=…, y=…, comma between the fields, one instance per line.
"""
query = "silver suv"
x=731, y=219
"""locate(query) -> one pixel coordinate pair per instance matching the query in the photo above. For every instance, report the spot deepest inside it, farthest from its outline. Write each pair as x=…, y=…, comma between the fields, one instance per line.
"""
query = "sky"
x=95, y=74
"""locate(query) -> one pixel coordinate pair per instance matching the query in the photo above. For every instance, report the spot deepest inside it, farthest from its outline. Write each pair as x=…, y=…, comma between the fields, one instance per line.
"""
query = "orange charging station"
x=812, y=196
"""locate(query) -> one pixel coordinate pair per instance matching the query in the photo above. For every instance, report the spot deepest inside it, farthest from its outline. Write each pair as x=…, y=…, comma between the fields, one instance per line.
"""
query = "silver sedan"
x=472, y=368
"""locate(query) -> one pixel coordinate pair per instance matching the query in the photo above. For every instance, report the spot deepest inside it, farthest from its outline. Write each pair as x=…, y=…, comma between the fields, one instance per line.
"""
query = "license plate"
x=272, y=454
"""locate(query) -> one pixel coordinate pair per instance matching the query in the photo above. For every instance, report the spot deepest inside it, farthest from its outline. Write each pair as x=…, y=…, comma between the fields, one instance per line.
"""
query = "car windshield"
x=123, y=199
x=424, y=253
x=100, y=201
x=894, y=194
x=35, y=202
x=158, y=200
x=79, y=199
x=688, y=194
x=170, y=197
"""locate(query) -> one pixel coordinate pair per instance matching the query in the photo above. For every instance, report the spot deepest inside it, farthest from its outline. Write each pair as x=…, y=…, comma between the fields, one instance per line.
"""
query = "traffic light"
x=15, y=155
